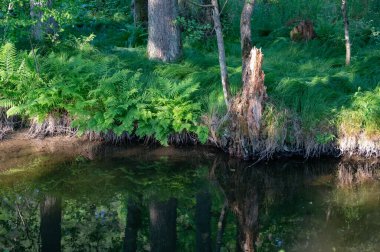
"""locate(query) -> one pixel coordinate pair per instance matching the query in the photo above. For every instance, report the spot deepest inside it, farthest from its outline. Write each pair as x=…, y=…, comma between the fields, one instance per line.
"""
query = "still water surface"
x=172, y=200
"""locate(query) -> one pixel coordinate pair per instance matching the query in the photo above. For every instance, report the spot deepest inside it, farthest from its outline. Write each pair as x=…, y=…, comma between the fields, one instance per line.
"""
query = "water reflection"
x=203, y=221
x=50, y=224
x=242, y=187
x=133, y=224
x=163, y=220
x=203, y=203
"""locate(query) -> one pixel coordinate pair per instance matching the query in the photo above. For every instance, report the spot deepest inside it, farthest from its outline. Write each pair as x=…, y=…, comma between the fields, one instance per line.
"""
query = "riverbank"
x=316, y=105
x=18, y=146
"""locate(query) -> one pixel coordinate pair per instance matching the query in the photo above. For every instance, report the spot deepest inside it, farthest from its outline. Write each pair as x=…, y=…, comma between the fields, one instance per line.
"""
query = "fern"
x=6, y=103
x=7, y=60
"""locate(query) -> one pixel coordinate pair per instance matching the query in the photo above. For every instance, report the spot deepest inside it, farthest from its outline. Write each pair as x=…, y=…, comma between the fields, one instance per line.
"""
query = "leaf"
x=16, y=110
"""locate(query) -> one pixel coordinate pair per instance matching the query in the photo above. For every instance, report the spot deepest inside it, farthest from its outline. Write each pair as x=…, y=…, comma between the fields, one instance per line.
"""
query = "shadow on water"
x=187, y=200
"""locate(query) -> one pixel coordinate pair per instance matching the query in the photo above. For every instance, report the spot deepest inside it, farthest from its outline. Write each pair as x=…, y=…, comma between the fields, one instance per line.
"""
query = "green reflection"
x=129, y=202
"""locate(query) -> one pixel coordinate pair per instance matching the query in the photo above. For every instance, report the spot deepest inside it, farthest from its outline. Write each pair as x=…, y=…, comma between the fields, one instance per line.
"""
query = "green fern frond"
x=6, y=103
x=8, y=58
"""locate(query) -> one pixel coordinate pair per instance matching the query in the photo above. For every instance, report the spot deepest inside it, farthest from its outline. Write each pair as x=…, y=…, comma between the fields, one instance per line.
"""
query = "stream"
x=166, y=199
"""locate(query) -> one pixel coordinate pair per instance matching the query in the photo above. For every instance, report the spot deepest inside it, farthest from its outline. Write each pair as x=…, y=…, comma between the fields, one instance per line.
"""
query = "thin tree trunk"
x=50, y=227
x=36, y=15
x=164, y=38
x=140, y=12
x=246, y=35
x=42, y=28
x=203, y=222
x=346, y=32
x=163, y=217
x=221, y=52
x=132, y=227
x=221, y=226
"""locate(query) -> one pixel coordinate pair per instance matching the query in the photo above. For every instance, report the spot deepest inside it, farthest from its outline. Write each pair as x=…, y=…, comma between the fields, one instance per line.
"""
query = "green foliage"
x=196, y=33
x=363, y=114
x=97, y=73
x=15, y=76
x=119, y=103
x=102, y=96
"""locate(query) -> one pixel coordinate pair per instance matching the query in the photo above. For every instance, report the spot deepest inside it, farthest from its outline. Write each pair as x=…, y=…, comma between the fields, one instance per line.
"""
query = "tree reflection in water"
x=242, y=188
x=50, y=225
x=213, y=204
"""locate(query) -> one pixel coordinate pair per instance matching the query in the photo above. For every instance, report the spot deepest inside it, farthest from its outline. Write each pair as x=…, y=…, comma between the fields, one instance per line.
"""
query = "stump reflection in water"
x=242, y=189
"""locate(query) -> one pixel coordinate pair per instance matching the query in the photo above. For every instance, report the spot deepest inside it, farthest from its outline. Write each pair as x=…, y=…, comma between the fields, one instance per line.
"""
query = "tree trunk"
x=50, y=227
x=203, y=222
x=42, y=28
x=346, y=32
x=164, y=38
x=163, y=217
x=140, y=12
x=221, y=53
x=132, y=227
x=247, y=107
x=246, y=35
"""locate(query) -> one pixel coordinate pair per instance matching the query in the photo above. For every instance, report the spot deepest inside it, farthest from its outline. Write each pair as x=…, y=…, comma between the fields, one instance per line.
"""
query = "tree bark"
x=247, y=107
x=346, y=32
x=42, y=28
x=221, y=53
x=132, y=227
x=246, y=35
x=203, y=222
x=164, y=38
x=163, y=217
x=50, y=227
x=140, y=12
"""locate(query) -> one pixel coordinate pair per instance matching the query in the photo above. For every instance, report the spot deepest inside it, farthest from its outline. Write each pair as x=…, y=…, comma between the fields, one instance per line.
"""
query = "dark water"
x=165, y=200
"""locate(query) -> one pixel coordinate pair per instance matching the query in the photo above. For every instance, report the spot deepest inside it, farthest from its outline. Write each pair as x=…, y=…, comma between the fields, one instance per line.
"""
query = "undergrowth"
x=100, y=76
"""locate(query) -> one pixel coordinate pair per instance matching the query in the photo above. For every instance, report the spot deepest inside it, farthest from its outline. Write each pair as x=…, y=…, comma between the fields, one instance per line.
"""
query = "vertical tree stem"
x=221, y=52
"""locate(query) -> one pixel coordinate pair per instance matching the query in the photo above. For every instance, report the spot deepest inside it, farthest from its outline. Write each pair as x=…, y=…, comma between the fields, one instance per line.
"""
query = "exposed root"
x=178, y=139
x=4, y=130
x=52, y=126
x=7, y=124
x=108, y=137
x=184, y=138
x=360, y=145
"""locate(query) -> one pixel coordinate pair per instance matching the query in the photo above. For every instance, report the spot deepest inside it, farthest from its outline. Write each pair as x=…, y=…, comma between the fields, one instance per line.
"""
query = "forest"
x=189, y=125
x=190, y=72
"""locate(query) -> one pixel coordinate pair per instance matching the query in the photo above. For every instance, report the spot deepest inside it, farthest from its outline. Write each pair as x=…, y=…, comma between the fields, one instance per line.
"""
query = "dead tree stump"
x=246, y=109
